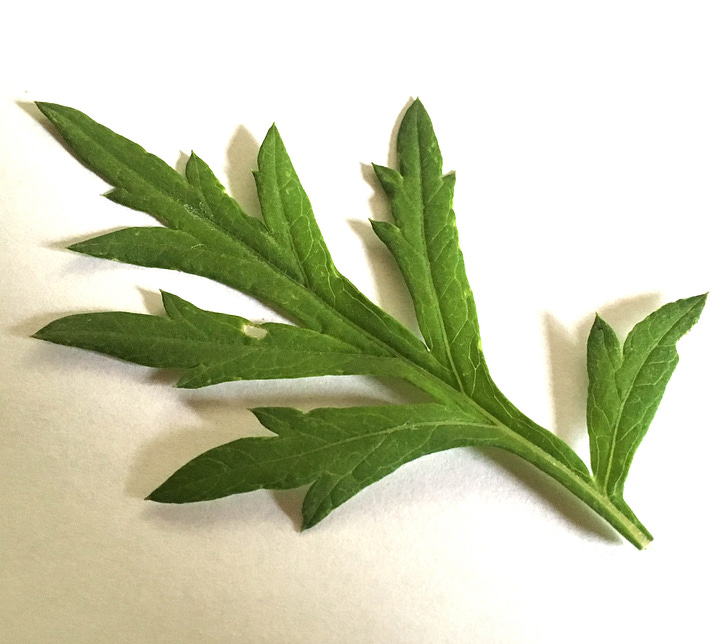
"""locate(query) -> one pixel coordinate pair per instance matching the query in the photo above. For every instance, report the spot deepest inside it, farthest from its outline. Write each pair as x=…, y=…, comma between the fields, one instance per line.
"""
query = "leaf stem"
x=584, y=488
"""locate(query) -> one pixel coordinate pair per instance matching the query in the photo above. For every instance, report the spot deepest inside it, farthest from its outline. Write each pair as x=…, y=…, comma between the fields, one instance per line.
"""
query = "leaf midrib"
x=233, y=240
x=343, y=442
x=80, y=128
x=290, y=238
x=621, y=413
x=346, y=321
x=423, y=237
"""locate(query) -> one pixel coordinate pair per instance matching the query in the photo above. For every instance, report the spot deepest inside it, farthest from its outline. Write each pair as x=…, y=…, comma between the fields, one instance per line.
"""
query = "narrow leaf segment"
x=282, y=260
x=424, y=242
x=214, y=347
x=627, y=383
x=339, y=451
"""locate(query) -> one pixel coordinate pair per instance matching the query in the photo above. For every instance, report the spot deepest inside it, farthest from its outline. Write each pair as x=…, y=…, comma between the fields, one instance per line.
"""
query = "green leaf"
x=123, y=164
x=214, y=347
x=424, y=242
x=627, y=383
x=284, y=263
x=177, y=250
x=226, y=214
x=288, y=214
x=282, y=260
x=339, y=451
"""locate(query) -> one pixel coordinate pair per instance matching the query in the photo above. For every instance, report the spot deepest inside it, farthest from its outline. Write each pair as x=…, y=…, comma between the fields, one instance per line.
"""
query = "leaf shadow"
x=623, y=314
x=550, y=492
x=242, y=153
x=32, y=110
x=567, y=359
x=568, y=386
x=153, y=301
x=392, y=141
x=291, y=502
x=181, y=163
x=392, y=294
x=34, y=323
x=31, y=325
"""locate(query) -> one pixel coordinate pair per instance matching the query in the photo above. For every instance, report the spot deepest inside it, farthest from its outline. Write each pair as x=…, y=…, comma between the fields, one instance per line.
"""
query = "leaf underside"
x=339, y=451
x=627, y=383
x=282, y=260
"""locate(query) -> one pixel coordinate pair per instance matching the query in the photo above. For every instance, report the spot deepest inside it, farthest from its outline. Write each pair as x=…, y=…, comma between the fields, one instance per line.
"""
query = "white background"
x=586, y=138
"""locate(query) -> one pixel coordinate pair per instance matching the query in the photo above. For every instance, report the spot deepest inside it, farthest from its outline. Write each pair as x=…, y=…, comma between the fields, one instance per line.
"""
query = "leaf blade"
x=424, y=241
x=218, y=232
x=283, y=260
x=287, y=211
x=214, y=347
x=119, y=161
x=323, y=442
x=626, y=385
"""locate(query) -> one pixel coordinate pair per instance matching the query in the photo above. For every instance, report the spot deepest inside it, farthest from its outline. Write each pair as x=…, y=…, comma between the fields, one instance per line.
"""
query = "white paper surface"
x=585, y=137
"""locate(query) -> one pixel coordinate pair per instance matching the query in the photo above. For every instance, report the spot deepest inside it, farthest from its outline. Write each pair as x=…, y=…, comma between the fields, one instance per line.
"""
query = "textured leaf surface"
x=424, y=242
x=627, y=383
x=282, y=260
x=214, y=347
x=339, y=451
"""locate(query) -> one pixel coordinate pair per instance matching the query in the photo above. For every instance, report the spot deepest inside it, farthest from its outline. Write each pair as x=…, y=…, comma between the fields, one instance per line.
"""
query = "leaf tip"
x=54, y=111
x=310, y=521
x=390, y=180
x=271, y=144
x=191, y=380
x=153, y=496
x=163, y=494
x=168, y=298
x=82, y=247
x=417, y=106
x=75, y=248
x=46, y=107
